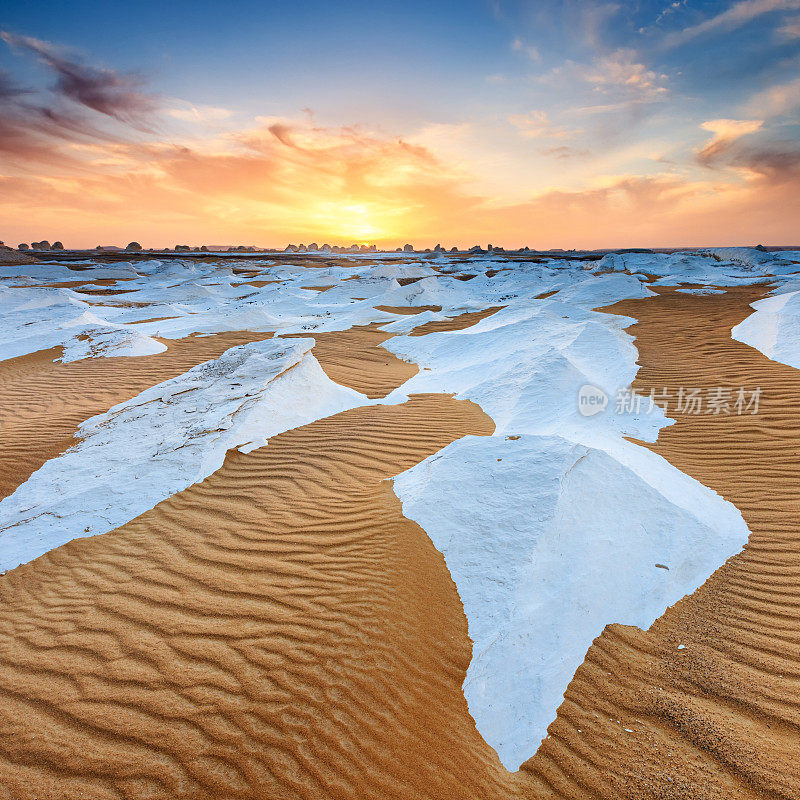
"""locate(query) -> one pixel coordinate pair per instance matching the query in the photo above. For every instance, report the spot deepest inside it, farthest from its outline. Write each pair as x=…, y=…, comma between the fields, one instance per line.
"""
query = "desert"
x=400, y=401
x=261, y=539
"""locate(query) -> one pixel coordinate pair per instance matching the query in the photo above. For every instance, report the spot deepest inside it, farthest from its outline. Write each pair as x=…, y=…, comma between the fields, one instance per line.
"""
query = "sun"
x=355, y=221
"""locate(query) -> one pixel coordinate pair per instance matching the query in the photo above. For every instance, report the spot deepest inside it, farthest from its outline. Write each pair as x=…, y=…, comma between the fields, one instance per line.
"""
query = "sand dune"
x=408, y=309
x=457, y=323
x=355, y=358
x=279, y=630
x=720, y=717
x=42, y=401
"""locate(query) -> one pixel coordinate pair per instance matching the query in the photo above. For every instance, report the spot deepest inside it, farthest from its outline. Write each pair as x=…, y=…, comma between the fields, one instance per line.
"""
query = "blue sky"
x=500, y=105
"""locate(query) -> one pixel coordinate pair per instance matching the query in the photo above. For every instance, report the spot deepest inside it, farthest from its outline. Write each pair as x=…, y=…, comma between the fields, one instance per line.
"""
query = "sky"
x=546, y=124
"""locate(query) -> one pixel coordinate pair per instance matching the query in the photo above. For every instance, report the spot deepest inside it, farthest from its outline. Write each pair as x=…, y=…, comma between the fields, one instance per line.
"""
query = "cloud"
x=200, y=113
x=32, y=131
x=746, y=146
x=537, y=125
x=790, y=29
x=531, y=51
x=738, y=14
x=726, y=132
x=619, y=77
x=620, y=70
x=9, y=89
x=564, y=152
x=114, y=94
x=593, y=20
x=777, y=162
x=779, y=100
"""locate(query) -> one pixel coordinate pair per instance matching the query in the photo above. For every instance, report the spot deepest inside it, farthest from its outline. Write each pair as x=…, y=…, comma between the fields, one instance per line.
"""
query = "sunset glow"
x=539, y=124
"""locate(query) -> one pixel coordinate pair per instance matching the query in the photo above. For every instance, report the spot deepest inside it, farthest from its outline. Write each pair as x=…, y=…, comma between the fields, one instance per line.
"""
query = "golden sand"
x=457, y=323
x=355, y=358
x=42, y=402
x=407, y=310
x=280, y=630
x=719, y=718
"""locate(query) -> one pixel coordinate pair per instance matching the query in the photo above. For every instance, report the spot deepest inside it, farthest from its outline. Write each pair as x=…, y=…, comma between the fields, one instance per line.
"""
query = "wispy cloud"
x=106, y=91
x=738, y=14
x=538, y=125
x=619, y=76
x=621, y=70
x=726, y=132
x=199, y=113
x=529, y=50
x=790, y=29
x=778, y=100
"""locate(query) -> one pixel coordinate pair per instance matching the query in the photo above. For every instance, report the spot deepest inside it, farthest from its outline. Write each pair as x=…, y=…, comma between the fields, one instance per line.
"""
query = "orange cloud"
x=726, y=132
x=69, y=177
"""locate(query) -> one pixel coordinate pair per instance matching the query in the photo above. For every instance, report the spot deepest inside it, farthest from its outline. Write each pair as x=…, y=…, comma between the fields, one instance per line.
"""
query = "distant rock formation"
x=23, y=246
x=57, y=246
x=135, y=246
x=373, y=248
x=326, y=248
x=353, y=248
x=204, y=249
x=476, y=249
x=43, y=245
x=313, y=247
x=408, y=248
x=182, y=248
x=453, y=249
x=438, y=249
x=11, y=257
x=290, y=248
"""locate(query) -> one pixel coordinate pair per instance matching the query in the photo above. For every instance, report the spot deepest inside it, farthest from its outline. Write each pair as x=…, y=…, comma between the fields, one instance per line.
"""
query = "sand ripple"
x=720, y=717
x=42, y=402
x=279, y=630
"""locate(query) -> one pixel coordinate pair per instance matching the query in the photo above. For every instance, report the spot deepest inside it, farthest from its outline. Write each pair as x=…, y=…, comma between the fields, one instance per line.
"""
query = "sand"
x=458, y=323
x=354, y=358
x=280, y=630
x=43, y=401
x=718, y=717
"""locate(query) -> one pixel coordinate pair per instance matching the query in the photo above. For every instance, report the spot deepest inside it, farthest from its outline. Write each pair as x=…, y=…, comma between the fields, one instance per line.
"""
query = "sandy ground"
x=454, y=323
x=43, y=401
x=354, y=358
x=282, y=631
x=279, y=630
x=719, y=717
